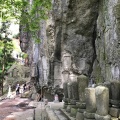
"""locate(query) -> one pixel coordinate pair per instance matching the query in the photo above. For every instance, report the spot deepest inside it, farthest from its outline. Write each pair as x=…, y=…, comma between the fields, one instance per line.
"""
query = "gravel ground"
x=9, y=106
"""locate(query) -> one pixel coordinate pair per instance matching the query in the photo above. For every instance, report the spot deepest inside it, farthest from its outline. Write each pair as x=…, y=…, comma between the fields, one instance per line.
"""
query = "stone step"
x=60, y=115
x=51, y=114
x=67, y=114
x=55, y=111
x=57, y=114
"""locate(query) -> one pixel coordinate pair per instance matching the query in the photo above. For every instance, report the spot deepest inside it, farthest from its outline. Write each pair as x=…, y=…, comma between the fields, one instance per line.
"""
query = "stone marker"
x=73, y=94
x=90, y=100
x=115, y=90
x=114, y=112
x=90, y=103
x=102, y=100
x=102, y=103
x=82, y=84
x=115, y=99
x=69, y=86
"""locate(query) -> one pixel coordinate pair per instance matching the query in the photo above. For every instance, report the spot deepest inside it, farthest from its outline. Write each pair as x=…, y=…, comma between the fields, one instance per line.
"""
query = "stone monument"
x=65, y=87
x=115, y=99
x=82, y=84
x=75, y=94
x=102, y=103
x=90, y=104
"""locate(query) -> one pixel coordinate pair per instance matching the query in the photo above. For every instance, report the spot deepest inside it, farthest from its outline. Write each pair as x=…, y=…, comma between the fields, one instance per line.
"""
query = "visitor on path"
x=21, y=90
x=24, y=87
x=17, y=89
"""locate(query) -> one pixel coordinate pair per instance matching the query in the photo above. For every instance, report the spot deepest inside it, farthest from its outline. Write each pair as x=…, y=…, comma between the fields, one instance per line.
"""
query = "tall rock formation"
x=80, y=37
x=107, y=44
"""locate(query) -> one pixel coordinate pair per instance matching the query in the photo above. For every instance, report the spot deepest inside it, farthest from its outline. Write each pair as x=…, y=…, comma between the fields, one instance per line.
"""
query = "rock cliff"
x=80, y=37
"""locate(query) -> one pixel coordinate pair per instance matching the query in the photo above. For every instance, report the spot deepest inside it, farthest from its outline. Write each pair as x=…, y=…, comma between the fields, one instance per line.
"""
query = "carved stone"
x=102, y=100
x=82, y=84
x=114, y=112
x=99, y=117
x=90, y=100
x=115, y=90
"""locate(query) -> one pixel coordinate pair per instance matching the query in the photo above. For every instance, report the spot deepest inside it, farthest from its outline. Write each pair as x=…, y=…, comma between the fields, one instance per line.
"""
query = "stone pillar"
x=51, y=73
x=115, y=99
x=102, y=103
x=108, y=85
x=74, y=87
x=90, y=104
x=75, y=95
x=66, y=66
x=65, y=75
x=72, y=95
x=82, y=84
x=57, y=74
x=69, y=87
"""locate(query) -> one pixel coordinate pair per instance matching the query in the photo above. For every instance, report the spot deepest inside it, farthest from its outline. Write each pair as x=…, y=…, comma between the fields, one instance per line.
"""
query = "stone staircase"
x=53, y=111
x=59, y=114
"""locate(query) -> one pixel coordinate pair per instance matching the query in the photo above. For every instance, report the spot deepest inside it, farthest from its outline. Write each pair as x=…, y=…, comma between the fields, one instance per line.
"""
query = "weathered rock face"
x=107, y=43
x=75, y=23
x=80, y=37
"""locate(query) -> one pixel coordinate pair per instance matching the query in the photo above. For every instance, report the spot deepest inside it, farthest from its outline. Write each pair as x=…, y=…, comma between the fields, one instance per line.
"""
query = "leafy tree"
x=27, y=13
x=6, y=48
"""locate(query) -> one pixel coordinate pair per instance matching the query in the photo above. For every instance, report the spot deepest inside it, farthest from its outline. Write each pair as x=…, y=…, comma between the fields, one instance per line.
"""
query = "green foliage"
x=28, y=14
x=6, y=48
x=25, y=55
x=32, y=14
x=10, y=9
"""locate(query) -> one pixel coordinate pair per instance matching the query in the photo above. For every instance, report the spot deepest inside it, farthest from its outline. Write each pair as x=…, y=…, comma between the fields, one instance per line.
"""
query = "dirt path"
x=9, y=106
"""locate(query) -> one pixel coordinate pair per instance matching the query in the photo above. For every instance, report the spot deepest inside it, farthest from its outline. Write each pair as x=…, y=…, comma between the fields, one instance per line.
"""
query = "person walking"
x=17, y=89
x=24, y=86
x=21, y=90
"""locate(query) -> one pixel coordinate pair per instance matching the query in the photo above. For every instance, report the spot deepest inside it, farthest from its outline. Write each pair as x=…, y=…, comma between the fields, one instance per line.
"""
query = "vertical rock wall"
x=107, y=43
x=75, y=34
x=80, y=37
